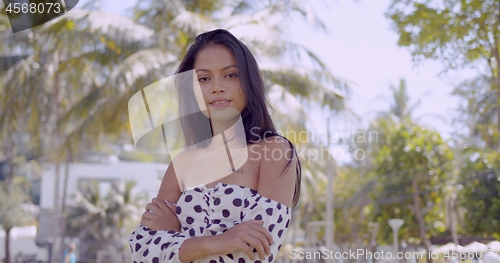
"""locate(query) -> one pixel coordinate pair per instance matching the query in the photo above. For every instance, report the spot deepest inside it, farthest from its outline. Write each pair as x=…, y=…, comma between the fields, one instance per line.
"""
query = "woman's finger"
x=243, y=246
x=147, y=215
x=172, y=207
x=265, y=232
x=153, y=207
x=165, y=207
x=159, y=203
x=260, y=244
x=145, y=222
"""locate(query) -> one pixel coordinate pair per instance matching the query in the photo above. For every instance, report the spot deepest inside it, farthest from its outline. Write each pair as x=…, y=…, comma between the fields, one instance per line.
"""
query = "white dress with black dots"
x=204, y=211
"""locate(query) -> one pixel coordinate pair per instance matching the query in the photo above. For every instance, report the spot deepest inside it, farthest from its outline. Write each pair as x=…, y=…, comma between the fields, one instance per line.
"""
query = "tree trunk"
x=56, y=251
x=453, y=221
x=373, y=240
x=63, y=201
x=497, y=80
x=10, y=176
x=9, y=152
x=8, y=258
x=417, y=210
x=498, y=109
x=497, y=89
x=305, y=219
x=56, y=258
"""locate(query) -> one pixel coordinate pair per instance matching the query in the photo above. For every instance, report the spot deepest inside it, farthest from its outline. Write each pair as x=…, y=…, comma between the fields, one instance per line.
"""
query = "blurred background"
x=393, y=105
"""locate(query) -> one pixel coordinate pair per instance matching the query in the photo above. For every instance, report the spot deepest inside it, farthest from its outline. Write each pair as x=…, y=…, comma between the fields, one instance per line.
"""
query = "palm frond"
x=192, y=23
x=311, y=85
x=119, y=28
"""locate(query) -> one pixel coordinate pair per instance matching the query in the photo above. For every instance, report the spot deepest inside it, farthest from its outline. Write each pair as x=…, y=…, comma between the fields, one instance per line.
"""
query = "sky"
x=361, y=48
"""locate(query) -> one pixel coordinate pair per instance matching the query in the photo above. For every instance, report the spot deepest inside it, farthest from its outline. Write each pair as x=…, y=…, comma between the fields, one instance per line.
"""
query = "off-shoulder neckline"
x=217, y=186
x=233, y=185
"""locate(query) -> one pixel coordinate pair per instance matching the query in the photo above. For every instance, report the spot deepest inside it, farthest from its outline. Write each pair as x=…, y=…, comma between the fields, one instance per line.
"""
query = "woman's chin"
x=224, y=117
x=224, y=114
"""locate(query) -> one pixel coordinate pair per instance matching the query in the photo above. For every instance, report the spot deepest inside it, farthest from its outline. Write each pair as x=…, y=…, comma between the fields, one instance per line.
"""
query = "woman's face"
x=217, y=73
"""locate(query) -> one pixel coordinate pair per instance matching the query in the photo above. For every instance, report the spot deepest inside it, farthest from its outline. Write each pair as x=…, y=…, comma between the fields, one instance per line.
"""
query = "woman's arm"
x=169, y=188
x=251, y=237
x=160, y=213
x=275, y=191
x=159, y=239
x=237, y=238
x=149, y=245
x=265, y=213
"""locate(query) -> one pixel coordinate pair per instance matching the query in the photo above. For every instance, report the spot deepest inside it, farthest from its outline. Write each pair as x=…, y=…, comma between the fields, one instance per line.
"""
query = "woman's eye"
x=232, y=75
x=202, y=79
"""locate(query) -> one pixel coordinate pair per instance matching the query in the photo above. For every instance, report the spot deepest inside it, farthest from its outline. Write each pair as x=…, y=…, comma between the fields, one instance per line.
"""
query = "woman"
x=241, y=210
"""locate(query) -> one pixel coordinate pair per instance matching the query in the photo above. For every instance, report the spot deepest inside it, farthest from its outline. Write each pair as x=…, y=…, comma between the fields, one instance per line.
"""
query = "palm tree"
x=175, y=25
x=99, y=220
x=67, y=58
x=107, y=64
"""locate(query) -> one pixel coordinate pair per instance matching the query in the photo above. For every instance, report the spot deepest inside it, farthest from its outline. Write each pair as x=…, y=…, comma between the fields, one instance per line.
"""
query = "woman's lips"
x=220, y=105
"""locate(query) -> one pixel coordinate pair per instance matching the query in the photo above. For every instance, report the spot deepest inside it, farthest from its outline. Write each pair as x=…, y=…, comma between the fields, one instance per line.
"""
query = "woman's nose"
x=218, y=87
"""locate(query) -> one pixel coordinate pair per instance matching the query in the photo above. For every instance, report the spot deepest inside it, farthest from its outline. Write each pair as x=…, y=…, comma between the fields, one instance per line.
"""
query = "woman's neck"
x=225, y=132
x=222, y=126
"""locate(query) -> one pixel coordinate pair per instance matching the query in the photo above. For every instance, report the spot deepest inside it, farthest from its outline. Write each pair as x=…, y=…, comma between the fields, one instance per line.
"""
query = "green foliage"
x=455, y=31
x=480, y=196
x=12, y=200
x=460, y=34
x=97, y=61
x=352, y=209
x=410, y=152
x=398, y=150
x=477, y=112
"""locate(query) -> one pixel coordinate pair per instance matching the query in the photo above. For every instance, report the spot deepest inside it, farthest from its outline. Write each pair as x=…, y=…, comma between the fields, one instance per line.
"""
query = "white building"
x=147, y=175
x=22, y=242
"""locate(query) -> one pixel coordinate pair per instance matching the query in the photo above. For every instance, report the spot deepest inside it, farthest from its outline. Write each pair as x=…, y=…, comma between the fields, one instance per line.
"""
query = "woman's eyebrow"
x=230, y=66
x=207, y=70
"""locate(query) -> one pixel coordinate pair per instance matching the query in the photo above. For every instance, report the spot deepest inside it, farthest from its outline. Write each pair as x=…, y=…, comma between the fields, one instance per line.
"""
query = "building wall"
x=22, y=241
x=145, y=174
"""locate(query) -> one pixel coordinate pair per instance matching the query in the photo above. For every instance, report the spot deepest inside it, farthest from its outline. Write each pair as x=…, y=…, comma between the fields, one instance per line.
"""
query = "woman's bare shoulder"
x=275, y=180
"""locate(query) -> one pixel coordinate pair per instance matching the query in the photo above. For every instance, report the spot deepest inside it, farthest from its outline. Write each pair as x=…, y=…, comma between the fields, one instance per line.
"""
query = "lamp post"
x=395, y=225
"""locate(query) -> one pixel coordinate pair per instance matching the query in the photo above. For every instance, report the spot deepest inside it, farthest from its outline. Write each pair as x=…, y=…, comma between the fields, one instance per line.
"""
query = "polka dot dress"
x=206, y=211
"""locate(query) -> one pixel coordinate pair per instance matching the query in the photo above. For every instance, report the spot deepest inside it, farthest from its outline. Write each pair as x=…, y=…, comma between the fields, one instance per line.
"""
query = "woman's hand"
x=160, y=215
x=245, y=237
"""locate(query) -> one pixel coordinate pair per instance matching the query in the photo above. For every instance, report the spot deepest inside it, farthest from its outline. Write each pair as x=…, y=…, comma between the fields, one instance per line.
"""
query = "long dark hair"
x=257, y=122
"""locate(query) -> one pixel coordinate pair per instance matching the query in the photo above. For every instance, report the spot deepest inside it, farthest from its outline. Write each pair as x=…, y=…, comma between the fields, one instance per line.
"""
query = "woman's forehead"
x=215, y=58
